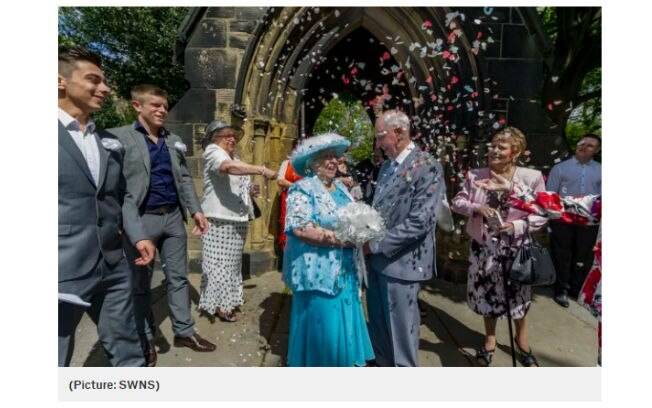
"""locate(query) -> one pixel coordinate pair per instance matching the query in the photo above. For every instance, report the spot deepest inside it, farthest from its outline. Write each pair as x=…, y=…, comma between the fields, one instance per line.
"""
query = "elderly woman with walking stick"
x=497, y=230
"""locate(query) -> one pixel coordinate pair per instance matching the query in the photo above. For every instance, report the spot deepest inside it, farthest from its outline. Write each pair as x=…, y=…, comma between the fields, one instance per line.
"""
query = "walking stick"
x=503, y=264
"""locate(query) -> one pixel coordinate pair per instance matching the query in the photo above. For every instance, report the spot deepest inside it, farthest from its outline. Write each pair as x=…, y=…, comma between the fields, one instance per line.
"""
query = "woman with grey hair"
x=228, y=205
x=327, y=324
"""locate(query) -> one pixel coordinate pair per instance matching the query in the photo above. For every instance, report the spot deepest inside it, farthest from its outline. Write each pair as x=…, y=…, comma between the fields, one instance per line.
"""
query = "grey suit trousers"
x=393, y=320
x=111, y=310
x=169, y=235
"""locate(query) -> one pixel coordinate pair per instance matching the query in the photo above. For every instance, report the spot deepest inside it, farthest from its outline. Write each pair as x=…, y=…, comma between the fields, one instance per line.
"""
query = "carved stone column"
x=258, y=225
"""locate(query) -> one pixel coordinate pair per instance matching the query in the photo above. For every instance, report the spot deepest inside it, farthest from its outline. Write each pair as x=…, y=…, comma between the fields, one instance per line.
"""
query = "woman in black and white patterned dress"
x=496, y=230
x=228, y=205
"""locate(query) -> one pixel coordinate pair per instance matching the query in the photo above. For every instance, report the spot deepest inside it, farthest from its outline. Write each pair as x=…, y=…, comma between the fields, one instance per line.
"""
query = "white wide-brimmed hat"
x=311, y=147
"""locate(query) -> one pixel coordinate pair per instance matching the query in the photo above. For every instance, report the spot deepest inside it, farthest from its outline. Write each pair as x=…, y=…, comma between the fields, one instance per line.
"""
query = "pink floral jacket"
x=471, y=197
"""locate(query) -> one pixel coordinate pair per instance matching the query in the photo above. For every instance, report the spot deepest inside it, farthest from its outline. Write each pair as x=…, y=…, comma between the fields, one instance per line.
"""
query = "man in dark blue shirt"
x=161, y=190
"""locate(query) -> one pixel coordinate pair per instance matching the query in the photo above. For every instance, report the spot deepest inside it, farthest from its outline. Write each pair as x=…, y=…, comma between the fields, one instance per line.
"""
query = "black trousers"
x=571, y=247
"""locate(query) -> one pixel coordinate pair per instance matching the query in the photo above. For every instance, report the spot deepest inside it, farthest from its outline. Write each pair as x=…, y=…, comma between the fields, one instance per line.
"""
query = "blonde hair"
x=514, y=136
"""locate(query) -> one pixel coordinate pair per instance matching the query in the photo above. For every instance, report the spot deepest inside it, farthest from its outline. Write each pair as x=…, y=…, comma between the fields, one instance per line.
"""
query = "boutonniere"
x=181, y=147
x=112, y=144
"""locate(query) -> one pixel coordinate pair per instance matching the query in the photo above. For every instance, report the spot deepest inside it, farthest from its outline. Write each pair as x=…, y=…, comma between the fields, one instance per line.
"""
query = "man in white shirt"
x=571, y=245
x=92, y=265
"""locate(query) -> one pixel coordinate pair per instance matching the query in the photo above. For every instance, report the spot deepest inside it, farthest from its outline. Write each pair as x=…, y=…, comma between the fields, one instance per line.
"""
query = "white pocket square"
x=181, y=147
x=112, y=144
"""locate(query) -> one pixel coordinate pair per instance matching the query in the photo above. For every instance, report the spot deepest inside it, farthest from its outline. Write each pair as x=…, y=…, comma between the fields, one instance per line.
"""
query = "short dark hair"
x=138, y=91
x=593, y=136
x=69, y=56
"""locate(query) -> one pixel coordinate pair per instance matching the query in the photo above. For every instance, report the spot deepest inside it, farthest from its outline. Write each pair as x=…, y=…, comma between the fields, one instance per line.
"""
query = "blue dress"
x=329, y=329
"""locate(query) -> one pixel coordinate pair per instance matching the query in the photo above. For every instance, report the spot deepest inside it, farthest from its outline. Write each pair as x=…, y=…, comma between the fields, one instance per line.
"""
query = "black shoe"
x=562, y=299
x=150, y=354
x=527, y=359
x=484, y=356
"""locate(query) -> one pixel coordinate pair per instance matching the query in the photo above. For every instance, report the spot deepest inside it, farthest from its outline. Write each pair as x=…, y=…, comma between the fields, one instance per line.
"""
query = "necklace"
x=330, y=187
x=508, y=174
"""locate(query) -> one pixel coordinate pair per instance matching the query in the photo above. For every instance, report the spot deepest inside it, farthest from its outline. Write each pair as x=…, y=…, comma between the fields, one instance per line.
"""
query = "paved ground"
x=449, y=332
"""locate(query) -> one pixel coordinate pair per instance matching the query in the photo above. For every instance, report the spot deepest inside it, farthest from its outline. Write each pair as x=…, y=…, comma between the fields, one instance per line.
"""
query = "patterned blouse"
x=306, y=266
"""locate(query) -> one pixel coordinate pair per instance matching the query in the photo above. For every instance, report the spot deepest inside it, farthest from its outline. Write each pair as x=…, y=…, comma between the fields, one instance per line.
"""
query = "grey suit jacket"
x=137, y=168
x=90, y=216
x=408, y=200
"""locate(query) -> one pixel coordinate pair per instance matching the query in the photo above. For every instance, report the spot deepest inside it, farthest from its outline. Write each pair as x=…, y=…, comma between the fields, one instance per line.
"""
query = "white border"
x=29, y=217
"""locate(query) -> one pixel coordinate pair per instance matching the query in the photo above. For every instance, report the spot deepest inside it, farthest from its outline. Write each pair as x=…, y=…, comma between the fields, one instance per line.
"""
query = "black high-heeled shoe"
x=484, y=356
x=527, y=359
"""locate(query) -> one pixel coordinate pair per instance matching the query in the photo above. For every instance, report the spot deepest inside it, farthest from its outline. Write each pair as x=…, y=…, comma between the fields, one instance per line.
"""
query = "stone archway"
x=254, y=67
x=292, y=43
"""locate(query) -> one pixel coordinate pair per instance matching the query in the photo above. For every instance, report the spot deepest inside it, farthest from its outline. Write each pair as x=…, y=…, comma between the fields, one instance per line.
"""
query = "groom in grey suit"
x=93, y=272
x=160, y=192
x=408, y=192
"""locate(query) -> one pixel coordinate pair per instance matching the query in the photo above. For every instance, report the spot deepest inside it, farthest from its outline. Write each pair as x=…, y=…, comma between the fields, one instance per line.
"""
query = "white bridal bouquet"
x=358, y=223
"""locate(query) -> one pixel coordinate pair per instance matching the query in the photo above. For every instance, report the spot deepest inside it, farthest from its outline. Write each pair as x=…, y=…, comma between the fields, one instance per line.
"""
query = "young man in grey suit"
x=160, y=191
x=409, y=189
x=94, y=276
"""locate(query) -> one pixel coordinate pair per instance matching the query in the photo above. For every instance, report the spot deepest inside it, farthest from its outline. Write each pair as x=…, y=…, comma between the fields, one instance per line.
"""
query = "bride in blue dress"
x=327, y=324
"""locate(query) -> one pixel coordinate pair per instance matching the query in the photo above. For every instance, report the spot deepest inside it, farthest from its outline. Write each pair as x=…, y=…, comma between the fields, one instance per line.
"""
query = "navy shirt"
x=162, y=190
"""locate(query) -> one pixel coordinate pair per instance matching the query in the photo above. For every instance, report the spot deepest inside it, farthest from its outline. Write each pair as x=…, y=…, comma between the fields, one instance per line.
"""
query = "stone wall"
x=515, y=63
x=212, y=60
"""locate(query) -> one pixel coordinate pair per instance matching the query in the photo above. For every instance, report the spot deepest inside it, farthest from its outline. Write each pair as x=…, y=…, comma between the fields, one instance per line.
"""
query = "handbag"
x=532, y=265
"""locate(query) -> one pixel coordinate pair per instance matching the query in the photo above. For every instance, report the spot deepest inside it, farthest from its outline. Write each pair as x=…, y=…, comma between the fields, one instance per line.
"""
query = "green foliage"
x=549, y=21
x=137, y=46
x=574, y=72
x=347, y=117
x=587, y=117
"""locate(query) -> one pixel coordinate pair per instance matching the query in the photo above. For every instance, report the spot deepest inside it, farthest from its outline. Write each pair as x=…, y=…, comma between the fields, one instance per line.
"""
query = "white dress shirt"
x=85, y=141
x=404, y=154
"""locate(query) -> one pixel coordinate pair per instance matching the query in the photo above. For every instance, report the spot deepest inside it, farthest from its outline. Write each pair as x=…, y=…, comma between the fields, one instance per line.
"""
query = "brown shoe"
x=195, y=342
x=150, y=354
